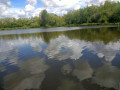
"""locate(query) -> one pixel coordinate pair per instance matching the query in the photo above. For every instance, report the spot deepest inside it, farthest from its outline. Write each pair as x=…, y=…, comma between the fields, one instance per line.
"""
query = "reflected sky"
x=66, y=60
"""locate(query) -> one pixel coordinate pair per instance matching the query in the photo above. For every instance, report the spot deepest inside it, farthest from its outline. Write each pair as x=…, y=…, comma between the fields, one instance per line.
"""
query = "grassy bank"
x=14, y=28
x=90, y=24
x=69, y=25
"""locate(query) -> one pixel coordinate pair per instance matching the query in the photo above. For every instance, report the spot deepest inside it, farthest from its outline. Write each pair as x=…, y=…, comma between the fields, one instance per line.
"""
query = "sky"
x=31, y=8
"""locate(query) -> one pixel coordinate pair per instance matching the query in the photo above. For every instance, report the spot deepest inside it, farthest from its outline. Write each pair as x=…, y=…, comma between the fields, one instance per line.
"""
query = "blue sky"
x=18, y=3
x=22, y=3
x=31, y=8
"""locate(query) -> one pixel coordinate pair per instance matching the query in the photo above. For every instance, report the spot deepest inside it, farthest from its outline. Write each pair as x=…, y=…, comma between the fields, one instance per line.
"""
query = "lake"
x=82, y=59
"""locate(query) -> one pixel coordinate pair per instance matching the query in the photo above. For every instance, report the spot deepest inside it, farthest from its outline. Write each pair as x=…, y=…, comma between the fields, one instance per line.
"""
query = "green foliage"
x=34, y=25
x=115, y=17
x=50, y=19
x=13, y=23
x=44, y=18
x=106, y=13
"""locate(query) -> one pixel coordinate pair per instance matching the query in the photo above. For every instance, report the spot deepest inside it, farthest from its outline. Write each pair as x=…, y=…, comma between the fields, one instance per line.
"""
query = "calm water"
x=86, y=59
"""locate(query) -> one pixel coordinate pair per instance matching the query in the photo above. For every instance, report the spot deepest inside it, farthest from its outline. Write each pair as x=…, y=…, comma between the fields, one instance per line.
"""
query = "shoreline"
x=53, y=29
x=70, y=25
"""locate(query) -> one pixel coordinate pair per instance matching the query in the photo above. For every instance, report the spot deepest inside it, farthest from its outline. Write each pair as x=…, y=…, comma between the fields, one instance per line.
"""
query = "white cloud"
x=96, y=2
x=52, y=6
x=7, y=11
x=5, y=2
x=32, y=2
x=61, y=7
x=37, y=11
x=13, y=12
x=3, y=7
x=60, y=3
x=29, y=8
x=58, y=7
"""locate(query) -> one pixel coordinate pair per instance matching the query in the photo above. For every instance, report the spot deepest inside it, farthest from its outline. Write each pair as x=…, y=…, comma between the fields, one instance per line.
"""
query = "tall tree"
x=44, y=18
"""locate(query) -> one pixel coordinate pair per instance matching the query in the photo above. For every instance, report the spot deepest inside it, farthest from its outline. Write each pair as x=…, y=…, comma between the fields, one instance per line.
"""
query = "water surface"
x=86, y=59
x=38, y=30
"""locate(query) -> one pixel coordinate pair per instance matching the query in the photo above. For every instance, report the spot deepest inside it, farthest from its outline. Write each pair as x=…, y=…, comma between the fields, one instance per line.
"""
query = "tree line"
x=106, y=13
x=109, y=12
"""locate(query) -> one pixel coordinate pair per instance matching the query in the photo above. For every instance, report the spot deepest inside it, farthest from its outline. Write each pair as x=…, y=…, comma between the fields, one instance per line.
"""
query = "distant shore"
x=53, y=29
x=70, y=25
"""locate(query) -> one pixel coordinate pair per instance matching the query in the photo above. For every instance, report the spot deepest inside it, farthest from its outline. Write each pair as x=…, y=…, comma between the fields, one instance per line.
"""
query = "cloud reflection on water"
x=30, y=76
x=63, y=48
x=107, y=76
x=31, y=72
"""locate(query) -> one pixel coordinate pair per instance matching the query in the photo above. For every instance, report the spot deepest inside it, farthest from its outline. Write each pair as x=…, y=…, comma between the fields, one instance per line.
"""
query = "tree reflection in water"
x=66, y=60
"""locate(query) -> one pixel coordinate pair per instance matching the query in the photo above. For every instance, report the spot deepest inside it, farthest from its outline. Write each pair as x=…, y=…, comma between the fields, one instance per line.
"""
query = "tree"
x=116, y=14
x=44, y=18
